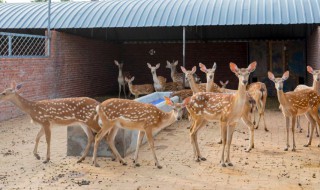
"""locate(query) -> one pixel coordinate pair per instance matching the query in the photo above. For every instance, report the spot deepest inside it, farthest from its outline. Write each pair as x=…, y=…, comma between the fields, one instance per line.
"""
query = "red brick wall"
x=76, y=67
x=84, y=67
x=136, y=57
x=313, y=53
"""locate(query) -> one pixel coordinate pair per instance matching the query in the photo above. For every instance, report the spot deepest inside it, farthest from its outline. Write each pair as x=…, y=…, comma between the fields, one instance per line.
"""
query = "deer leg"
x=293, y=124
x=103, y=131
x=47, y=132
x=313, y=123
x=151, y=144
x=89, y=134
x=193, y=136
x=298, y=124
x=230, y=131
x=250, y=126
x=224, y=138
x=35, y=150
x=110, y=138
x=136, y=96
x=287, y=128
x=197, y=145
x=119, y=90
x=139, y=141
x=124, y=90
x=220, y=140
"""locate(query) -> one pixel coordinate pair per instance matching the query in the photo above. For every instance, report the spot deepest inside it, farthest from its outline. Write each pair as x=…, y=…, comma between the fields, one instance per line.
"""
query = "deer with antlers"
x=129, y=114
x=65, y=111
x=297, y=103
x=227, y=108
x=160, y=83
x=141, y=89
x=316, y=87
x=121, y=78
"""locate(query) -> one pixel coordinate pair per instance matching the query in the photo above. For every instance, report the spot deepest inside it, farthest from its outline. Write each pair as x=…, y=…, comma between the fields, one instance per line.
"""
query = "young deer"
x=141, y=89
x=175, y=76
x=211, y=86
x=66, y=111
x=129, y=114
x=224, y=84
x=297, y=103
x=227, y=108
x=190, y=78
x=121, y=80
x=160, y=83
x=316, y=87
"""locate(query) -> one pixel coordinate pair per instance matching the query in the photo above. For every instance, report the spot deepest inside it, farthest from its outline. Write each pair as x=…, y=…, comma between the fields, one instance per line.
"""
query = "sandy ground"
x=267, y=166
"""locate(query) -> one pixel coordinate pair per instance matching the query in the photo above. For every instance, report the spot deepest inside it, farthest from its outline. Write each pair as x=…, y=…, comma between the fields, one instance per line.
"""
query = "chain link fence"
x=23, y=45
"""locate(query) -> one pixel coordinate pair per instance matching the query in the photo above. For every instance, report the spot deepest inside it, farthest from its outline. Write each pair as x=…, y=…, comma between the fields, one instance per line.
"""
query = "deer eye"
x=3, y=93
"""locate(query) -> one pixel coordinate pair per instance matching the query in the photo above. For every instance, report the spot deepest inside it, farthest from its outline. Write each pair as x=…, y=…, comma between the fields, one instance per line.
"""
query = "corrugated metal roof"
x=156, y=13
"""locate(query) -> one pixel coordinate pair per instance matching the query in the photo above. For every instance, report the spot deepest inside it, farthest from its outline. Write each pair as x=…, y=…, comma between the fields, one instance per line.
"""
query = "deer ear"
x=168, y=63
x=221, y=83
x=175, y=63
x=168, y=101
x=285, y=75
x=214, y=66
x=132, y=78
x=227, y=82
x=116, y=62
x=252, y=66
x=194, y=69
x=233, y=67
x=149, y=65
x=18, y=87
x=270, y=76
x=309, y=69
x=157, y=66
x=126, y=79
x=203, y=68
x=183, y=69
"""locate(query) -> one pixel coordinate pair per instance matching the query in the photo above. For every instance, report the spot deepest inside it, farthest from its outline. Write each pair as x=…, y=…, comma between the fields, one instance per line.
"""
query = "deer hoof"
x=247, y=149
x=286, y=149
x=198, y=160
x=97, y=165
x=80, y=160
x=318, y=145
x=307, y=135
x=306, y=145
x=137, y=165
x=113, y=159
x=230, y=164
x=293, y=150
x=266, y=130
x=123, y=163
x=203, y=158
x=219, y=142
x=159, y=167
x=37, y=156
x=317, y=135
x=46, y=161
x=223, y=165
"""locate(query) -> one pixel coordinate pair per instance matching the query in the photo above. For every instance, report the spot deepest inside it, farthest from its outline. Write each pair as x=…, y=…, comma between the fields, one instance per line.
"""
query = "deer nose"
x=245, y=82
x=318, y=79
x=211, y=77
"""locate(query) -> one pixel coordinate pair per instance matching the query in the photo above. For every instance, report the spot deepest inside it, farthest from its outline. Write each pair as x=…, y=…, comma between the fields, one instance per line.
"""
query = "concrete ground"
x=267, y=166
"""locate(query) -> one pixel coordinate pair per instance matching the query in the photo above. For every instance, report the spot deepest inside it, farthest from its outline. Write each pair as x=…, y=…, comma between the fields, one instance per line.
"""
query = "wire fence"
x=23, y=45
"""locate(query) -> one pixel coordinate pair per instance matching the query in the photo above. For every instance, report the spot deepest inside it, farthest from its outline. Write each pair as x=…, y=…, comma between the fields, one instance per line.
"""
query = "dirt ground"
x=267, y=166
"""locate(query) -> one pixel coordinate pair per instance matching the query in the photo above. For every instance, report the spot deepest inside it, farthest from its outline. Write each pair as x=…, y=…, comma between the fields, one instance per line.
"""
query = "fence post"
x=9, y=45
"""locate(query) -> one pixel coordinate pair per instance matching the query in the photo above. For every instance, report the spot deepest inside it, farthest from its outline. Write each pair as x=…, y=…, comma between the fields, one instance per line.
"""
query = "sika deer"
x=129, y=114
x=121, y=76
x=190, y=78
x=66, y=111
x=227, y=108
x=141, y=89
x=316, y=87
x=224, y=84
x=297, y=103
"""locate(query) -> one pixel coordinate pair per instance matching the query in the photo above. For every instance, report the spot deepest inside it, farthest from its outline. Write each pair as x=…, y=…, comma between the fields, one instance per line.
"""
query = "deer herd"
x=204, y=102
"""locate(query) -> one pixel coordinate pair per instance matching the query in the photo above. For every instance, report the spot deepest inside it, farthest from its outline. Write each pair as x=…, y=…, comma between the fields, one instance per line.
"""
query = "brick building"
x=88, y=36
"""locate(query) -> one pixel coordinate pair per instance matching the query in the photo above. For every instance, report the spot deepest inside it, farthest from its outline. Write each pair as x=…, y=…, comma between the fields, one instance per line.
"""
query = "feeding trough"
x=125, y=141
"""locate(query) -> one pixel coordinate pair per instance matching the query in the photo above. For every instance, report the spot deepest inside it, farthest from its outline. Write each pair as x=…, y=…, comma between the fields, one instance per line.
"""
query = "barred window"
x=23, y=45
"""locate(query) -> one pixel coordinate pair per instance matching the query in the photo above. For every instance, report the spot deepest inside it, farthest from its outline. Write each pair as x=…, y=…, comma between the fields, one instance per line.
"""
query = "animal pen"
x=86, y=38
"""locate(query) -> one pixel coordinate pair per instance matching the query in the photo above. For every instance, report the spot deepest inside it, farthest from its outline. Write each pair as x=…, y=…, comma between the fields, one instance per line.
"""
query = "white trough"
x=125, y=140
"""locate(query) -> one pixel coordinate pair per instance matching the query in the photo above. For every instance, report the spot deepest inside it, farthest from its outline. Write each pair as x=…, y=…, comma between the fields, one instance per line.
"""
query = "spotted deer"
x=224, y=84
x=316, y=87
x=129, y=114
x=292, y=104
x=65, y=111
x=211, y=86
x=225, y=107
x=141, y=89
x=121, y=81
x=160, y=83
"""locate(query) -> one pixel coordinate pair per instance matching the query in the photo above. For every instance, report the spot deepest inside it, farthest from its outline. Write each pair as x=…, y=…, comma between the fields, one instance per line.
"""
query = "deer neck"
x=120, y=73
x=168, y=119
x=209, y=85
x=281, y=97
x=173, y=72
x=155, y=78
x=22, y=103
x=316, y=86
x=193, y=85
x=240, y=95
